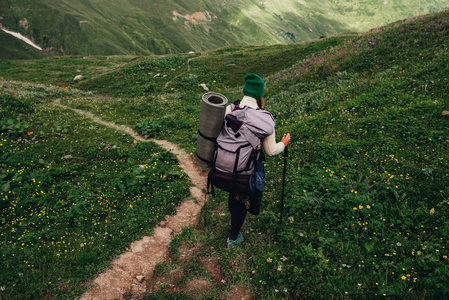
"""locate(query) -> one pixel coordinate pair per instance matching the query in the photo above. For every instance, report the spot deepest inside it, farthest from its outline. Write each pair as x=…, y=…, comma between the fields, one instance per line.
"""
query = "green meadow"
x=367, y=182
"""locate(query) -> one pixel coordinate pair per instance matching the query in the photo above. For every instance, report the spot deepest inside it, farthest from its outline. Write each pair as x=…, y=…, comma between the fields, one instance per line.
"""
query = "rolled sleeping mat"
x=213, y=108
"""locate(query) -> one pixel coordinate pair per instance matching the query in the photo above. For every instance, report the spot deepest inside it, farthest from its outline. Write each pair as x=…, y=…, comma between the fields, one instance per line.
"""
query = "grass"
x=366, y=185
x=369, y=162
x=70, y=203
x=61, y=71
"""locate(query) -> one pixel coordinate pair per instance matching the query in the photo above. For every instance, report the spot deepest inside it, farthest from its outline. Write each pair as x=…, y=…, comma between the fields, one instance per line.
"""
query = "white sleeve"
x=228, y=109
x=271, y=147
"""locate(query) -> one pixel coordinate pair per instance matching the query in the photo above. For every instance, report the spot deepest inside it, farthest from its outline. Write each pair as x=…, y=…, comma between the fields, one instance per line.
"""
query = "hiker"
x=253, y=91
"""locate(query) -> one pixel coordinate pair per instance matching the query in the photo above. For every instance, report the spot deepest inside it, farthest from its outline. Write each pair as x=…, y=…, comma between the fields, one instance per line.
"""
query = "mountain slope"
x=92, y=27
x=367, y=182
x=13, y=48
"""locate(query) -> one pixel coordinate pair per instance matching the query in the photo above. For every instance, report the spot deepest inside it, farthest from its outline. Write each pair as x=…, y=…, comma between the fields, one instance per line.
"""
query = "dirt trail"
x=131, y=271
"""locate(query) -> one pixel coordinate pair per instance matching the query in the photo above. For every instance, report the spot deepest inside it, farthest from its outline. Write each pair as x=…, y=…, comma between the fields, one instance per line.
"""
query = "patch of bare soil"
x=211, y=265
x=168, y=280
x=198, y=287
x=239, y=293
x=131, y=272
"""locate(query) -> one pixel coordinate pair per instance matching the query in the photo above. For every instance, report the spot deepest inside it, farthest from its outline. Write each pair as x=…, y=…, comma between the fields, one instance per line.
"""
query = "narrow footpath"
x=131, y=271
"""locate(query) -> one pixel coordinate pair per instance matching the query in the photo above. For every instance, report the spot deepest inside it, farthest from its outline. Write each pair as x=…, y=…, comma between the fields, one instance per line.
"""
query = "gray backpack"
x=238, y=148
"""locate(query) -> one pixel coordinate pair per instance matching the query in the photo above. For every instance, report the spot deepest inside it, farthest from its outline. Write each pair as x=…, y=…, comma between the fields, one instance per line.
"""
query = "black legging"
x=238, y=215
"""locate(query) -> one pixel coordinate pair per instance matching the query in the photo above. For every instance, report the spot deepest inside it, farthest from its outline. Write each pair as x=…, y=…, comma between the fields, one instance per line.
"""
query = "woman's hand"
x=286, y=139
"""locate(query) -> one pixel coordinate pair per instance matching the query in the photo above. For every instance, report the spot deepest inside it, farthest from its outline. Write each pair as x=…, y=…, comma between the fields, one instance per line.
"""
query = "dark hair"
x=260, y=103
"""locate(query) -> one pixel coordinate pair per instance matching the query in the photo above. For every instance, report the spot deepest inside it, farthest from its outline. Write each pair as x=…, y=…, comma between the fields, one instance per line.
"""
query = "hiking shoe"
x=236, y=242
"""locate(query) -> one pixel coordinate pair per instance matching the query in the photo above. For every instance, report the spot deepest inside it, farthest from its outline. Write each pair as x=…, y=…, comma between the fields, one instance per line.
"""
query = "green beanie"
x=254, y=86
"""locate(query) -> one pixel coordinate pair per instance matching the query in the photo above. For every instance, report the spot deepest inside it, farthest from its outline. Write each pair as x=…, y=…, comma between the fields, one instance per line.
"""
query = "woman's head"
x=254, y=86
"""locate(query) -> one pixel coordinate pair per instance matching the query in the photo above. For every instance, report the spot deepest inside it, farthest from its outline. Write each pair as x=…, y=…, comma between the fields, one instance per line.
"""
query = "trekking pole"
x=205, y=209
x=283, y=182
x=209, y=190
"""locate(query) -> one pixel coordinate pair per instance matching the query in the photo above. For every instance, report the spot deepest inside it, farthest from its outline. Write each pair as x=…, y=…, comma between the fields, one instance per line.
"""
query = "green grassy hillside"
x=13, y=48
x=366, y=200
x=118, y=27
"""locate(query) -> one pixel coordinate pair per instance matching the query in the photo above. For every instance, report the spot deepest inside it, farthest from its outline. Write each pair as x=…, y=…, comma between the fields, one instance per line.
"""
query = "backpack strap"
x=213, y=140
x=206, y=137
x=234, y=172
x=258, y=156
